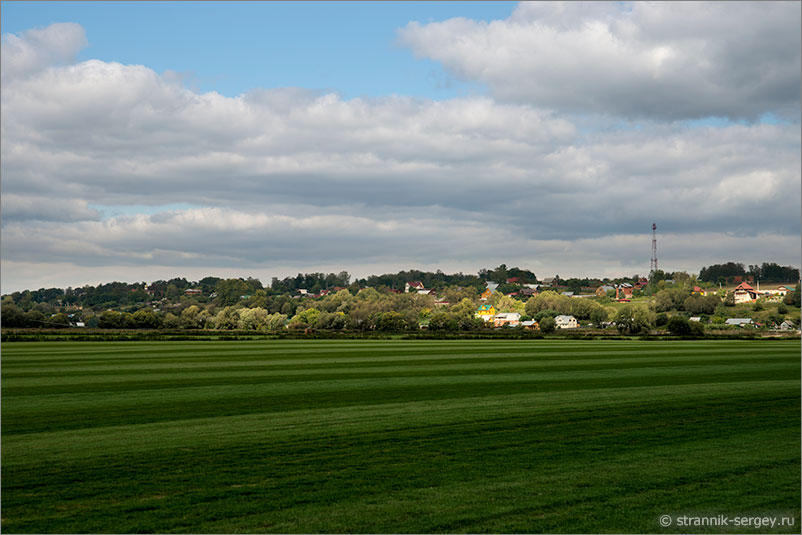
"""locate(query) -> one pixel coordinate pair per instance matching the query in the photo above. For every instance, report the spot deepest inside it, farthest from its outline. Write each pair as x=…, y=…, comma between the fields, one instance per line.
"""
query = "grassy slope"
x=391, y=436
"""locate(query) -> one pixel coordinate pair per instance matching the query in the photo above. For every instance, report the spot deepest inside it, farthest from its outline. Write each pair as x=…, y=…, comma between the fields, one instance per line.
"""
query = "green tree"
x=633, y=320
x=191, y=318
x=547, y=325
x=793, y=298
x=229, y=291
x=12, y=316
x=391, y=322
x=598, y=316
x=146, y=319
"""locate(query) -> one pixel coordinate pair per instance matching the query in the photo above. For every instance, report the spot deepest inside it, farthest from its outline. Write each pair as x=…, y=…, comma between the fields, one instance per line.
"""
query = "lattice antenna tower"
x=653, y=266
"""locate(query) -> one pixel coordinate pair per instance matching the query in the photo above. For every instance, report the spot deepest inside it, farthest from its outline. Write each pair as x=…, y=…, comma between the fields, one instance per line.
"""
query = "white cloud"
x=664, y=60
x=36, y=49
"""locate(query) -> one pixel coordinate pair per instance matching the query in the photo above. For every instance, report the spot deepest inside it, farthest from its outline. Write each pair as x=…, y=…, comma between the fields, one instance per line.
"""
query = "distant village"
x=407, y=301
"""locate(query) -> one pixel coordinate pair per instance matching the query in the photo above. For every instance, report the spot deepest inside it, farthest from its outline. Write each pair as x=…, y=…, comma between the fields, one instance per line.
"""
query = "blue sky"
x=233, y=47
x=147, y=140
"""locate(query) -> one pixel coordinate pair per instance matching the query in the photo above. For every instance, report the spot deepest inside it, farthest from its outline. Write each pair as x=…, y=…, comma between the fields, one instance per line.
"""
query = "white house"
x=565, y=322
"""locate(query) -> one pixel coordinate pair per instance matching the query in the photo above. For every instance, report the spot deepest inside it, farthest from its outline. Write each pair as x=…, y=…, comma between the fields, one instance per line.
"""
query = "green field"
x=397, y=436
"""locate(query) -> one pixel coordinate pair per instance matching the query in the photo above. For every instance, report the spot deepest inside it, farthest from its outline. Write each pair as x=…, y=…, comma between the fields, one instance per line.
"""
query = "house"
x=485, y=295
x=568, y=294
x=787, y=326
x=530, y=325
x=549, y=281
x=425, y=292
x=486, y=312
x=193, y=291
x=642, y=283
x=740, y=322
x=744, y=293
x=699, y=291
x=624, y=291
x=695, y=318
x=513, y=280
x=528, y=292
x=601, y=291
x=565, y=322
x=513, y=319
x=414, y=285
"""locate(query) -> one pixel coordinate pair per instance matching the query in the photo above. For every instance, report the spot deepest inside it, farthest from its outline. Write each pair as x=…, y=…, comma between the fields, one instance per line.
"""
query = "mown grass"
x=397, y=436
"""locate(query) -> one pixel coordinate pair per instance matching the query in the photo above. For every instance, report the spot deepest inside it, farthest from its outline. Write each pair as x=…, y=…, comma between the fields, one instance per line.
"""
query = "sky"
x=150, y=140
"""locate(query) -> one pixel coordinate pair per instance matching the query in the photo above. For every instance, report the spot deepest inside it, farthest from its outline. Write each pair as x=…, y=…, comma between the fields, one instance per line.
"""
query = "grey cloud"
x=663, y=60
x=20, y=207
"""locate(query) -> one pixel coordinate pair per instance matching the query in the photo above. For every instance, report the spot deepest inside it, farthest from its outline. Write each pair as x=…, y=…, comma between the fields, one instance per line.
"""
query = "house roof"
x=415, y=284
x=563, y=317
x=744, y=286
x=738, y=321
x=508, y=316
x=484, y=308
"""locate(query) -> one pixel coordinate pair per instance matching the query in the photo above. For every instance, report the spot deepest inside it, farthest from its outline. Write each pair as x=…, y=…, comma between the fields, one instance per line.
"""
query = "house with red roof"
x=744, y=293
x=413, y=286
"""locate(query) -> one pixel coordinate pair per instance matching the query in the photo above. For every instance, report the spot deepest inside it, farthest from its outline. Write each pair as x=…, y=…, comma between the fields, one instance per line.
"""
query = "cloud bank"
x=295, y=179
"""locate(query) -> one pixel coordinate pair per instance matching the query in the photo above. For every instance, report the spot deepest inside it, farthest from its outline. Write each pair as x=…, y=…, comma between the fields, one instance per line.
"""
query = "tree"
x=334, y=321
x=191, y=318
x=306, y=317
x=442, y=321
x=678, y=325
x=548, y=300
x=229, y=291
x=226, y=319
x=58, y=321
x=633, y=320
x=12, y=316
x=547, y=325
x=276, y=322
x=598, y=316
x=146, y=319
x=391, y=322
x=171, y=321
x=793, y=298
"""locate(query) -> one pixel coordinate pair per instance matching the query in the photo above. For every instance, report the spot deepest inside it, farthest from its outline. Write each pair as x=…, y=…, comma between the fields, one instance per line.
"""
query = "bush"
x=679, y=325
x=682, y=327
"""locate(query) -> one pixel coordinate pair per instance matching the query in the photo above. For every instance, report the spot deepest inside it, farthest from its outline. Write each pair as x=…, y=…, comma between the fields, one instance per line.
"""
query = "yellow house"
x=486, y=294
x=486, y=312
